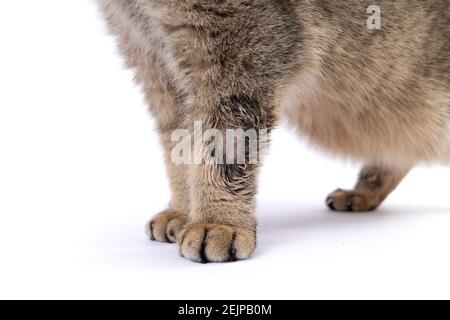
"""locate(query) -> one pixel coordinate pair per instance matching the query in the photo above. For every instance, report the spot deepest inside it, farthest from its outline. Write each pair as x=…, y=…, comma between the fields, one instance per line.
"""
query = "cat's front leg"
x=222, y=222
x=229, y=69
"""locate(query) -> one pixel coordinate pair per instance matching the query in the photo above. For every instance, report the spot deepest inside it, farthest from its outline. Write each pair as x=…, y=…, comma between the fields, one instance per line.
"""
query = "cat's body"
x=378, y=96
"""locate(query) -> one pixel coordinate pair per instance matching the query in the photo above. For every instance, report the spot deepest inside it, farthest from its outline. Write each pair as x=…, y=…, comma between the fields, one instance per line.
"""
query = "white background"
x=81, y=172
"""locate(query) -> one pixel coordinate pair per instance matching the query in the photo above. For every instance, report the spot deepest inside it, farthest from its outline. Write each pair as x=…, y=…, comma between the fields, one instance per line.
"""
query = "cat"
x=363, y=79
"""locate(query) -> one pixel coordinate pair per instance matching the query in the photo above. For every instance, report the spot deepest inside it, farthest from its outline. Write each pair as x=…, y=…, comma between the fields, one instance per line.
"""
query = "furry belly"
x=326, y=127
x=367, y=134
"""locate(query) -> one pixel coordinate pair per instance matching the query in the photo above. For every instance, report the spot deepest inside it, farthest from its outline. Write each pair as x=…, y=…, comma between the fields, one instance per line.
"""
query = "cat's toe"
x=350, y=201
x=165, y=227
x=205, y=243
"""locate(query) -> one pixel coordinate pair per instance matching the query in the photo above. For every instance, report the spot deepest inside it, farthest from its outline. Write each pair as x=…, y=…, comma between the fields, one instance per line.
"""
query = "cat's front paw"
x=351, y=201
x=165, y=227
x=205, y=243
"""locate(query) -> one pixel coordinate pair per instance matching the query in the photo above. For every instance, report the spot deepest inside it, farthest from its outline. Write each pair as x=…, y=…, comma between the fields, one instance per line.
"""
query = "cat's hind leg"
x=375, y=183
